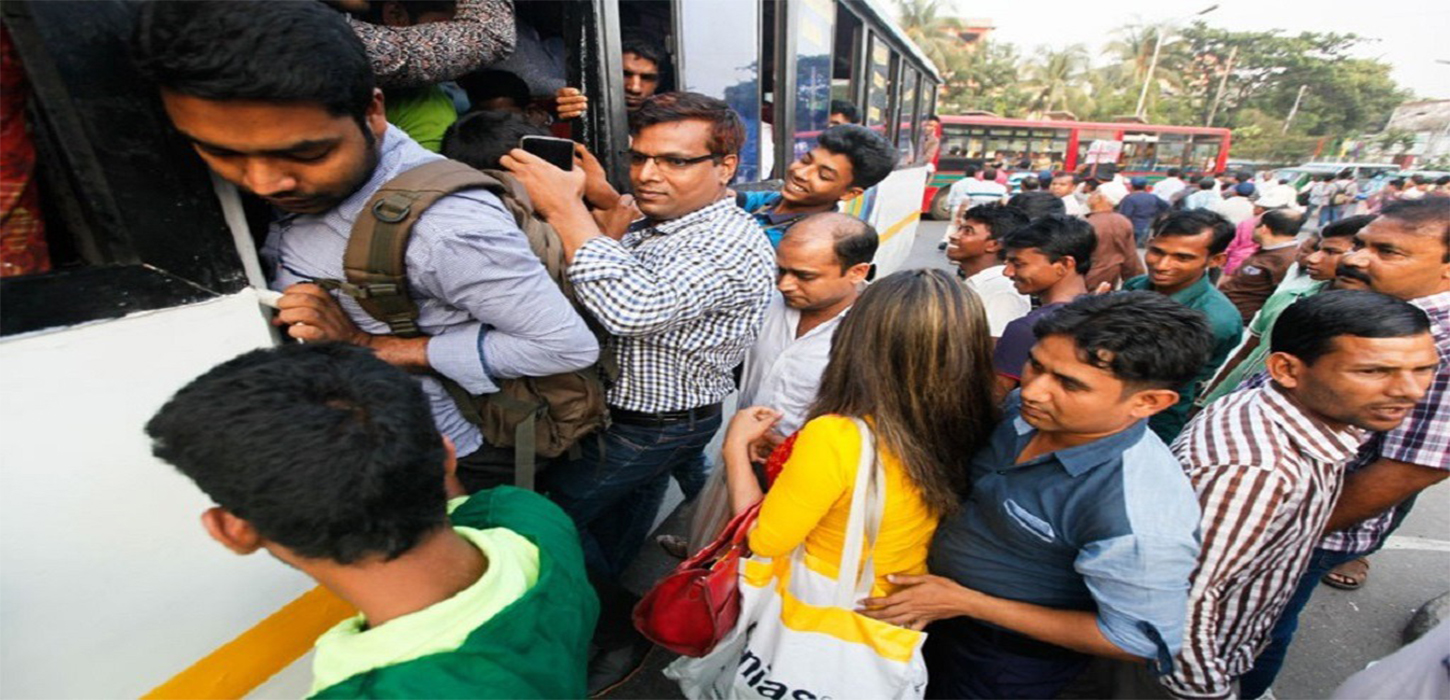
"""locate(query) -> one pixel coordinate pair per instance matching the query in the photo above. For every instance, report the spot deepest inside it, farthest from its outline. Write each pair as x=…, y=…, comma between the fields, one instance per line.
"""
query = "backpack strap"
x=377, y=275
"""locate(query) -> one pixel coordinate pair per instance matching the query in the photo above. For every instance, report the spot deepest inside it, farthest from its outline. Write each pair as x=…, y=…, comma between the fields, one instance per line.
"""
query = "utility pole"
x=1293, y=110
x=1152, y=66
x=1228, y=67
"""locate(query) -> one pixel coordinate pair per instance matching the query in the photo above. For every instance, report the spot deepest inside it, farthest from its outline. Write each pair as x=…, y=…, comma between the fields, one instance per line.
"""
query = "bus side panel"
x=895, y=214
x=111, y=585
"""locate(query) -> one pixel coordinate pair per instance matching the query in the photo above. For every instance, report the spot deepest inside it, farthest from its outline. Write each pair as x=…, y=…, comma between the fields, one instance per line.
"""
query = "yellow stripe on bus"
x=246, y=662
x=896, y=227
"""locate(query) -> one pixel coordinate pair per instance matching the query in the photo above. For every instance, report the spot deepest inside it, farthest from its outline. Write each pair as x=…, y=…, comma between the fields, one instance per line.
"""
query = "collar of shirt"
x=1310, y=434
x=398, y=154
x=988, y=277
x=1437, y=307
x=1187, y=297
x=1075, y=460
x=645, y=228
x=1281, y=245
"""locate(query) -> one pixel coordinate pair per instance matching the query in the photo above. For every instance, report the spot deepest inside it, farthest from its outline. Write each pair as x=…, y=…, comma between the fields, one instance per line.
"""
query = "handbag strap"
x=855, y=578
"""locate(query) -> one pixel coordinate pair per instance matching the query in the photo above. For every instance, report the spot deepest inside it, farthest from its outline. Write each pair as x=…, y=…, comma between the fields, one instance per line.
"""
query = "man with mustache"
x=1269, y=461
x=302, y=127
x=1405, y=253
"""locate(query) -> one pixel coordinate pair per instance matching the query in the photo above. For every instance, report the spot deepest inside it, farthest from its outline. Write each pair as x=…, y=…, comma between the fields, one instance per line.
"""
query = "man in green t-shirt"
x=328, y=458
x=1183, y=248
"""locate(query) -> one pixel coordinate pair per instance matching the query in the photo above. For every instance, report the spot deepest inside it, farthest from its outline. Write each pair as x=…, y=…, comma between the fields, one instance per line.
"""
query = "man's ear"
x=1149, y=402
x=729, y=164
x=232, y=532
x=992, y=245
x=852, y=192
x=858, y=273
x=1285, y=369
x=376, y=115
x=451, y=485
x=1217, y=260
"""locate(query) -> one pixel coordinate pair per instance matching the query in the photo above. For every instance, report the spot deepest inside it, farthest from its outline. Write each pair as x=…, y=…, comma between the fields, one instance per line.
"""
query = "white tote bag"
x=798, y=636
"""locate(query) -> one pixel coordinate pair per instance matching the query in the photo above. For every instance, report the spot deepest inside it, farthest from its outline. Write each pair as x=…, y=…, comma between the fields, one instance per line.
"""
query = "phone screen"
x=560, y=152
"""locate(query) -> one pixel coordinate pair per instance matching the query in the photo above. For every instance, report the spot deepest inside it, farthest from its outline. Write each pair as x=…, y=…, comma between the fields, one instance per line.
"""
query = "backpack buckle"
x=386, y=211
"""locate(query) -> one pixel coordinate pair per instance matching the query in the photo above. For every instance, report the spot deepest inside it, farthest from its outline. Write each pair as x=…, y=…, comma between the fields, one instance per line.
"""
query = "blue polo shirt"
x=1110, y=526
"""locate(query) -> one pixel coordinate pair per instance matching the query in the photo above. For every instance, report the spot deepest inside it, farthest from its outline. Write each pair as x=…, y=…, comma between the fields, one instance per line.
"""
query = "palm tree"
x=1056, y=79
x=938, y=36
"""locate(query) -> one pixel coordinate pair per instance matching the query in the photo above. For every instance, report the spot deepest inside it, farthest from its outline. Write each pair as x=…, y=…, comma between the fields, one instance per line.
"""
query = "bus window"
x=652, y=23
x=878, y=85
x=906, y=122
x=720, y=57
x=846, y=66
x=1204, y=156
x=813, y=33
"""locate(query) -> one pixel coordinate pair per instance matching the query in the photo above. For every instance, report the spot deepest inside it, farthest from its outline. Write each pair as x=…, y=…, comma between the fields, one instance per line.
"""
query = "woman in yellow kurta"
x=913, y=359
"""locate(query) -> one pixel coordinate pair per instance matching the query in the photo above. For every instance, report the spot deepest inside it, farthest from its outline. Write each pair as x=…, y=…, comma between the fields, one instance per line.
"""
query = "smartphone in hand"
x=559, y=152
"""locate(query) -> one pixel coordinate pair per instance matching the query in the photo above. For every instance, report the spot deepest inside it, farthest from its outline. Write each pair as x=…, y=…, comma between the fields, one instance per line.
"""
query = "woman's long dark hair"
x=914, y=354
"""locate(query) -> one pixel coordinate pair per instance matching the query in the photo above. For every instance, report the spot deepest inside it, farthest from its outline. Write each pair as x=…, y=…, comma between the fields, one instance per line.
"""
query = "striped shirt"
x=682, y=300
x=1267, y=476
x=1423, y=438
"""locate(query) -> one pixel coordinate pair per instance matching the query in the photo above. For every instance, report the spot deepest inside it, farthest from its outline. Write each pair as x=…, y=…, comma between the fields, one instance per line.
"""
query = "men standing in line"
x=1078, y=536
x=302, y=127
x=1141, y=207
x=682, y=295
x=1277, y=240
x=1064, y=187
x=1115, y=259
x=1045, y=259
x=1404, y=253
x=1185, y=245
x=821, y=265
x=846, y=161
x=1270, y=461
x=974, y=244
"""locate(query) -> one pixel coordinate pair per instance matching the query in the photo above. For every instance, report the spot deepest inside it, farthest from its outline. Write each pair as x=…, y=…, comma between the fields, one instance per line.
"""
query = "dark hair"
x=727, y=133
x=1348, y=226
x=481, y=138
x=1443, y=180
x=1427, y=213
x=1173, y=172
x=933, y=118
x=1307, y=328
x=271, y=52
x=1283, y=222
x=1000, y=218
x=324, y=449
x=485, y=85
x=989, y=173
x=847, y=110
x=1143, y=338
x=1030, y=183
x=1037, y=204
x=854, y=240
x=1057, y=236
x=1066, y=174
x=1419, y=179
x=1192, y=222
x=872, y=156
x=1345, y=173
x=646, y=49
x=1206, y=183
x=1397, y=182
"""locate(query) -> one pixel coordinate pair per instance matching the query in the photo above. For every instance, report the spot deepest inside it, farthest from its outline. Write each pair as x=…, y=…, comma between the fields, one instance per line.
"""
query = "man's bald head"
x=853, y=241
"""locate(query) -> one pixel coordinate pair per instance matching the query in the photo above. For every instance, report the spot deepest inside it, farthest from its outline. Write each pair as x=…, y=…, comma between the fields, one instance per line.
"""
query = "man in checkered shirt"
x=682, y=294
x=1404, y=253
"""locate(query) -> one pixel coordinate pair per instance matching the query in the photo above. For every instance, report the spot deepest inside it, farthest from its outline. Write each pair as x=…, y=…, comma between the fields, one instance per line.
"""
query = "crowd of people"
x=1087, y=469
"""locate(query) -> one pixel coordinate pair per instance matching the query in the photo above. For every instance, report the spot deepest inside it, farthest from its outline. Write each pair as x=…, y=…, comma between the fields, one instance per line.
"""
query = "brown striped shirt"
x=1267, y=475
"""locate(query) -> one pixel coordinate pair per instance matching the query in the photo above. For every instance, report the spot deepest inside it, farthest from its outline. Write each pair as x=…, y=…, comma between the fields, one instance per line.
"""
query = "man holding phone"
x=303, y=128
x=682, y=294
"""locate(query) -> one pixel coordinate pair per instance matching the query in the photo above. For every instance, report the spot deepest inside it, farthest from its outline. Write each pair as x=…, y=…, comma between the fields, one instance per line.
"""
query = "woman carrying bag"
x=904, y=403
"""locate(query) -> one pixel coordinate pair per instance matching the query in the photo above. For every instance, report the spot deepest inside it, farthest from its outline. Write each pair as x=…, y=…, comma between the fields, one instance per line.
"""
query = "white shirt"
x=1167, y=187
x=971, y=191
x=1074, y=207
x=1236, y=209
x=1003, y=302
x=783, y=371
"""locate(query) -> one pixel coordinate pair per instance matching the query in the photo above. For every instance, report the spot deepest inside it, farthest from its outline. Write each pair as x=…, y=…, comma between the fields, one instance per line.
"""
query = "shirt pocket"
x=1026, y=520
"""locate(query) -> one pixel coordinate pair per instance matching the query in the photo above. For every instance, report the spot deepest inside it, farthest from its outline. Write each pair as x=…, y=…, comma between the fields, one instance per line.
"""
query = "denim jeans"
x=1266, y=667
x=615, y=489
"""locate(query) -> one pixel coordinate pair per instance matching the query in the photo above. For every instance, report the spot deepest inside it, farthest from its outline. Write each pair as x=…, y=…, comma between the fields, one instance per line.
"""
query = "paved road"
x=1340, y=632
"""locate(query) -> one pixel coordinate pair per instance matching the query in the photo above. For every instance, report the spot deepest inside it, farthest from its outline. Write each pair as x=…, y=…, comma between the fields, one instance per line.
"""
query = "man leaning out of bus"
x=848, y=160
x=328, y=458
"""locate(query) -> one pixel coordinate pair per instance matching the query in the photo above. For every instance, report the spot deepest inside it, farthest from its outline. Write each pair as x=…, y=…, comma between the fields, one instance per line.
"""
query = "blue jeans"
x=1271, y=659
x=968, y=659
x=615, y=489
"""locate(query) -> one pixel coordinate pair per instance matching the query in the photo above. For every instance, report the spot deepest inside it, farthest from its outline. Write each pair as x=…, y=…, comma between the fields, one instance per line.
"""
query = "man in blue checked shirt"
x=682, y=294
x=302, y=127
x=1080, y=531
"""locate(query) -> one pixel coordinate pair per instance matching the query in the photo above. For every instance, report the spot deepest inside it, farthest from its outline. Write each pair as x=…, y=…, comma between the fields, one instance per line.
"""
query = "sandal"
x=1349, y=575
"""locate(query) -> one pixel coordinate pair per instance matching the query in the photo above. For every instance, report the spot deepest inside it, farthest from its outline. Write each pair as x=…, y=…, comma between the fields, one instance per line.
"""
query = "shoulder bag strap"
x=855, y=578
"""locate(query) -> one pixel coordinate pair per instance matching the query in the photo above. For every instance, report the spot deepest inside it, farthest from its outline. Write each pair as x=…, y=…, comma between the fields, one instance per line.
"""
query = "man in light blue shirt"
x=302, y=127
x=1080, y=531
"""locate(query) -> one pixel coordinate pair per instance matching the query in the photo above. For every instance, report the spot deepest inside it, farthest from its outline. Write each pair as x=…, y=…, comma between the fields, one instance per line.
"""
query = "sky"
x=1412, y=34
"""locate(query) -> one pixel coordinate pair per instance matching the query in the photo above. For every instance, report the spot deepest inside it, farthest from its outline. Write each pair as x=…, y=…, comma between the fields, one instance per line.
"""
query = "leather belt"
x=640, y=418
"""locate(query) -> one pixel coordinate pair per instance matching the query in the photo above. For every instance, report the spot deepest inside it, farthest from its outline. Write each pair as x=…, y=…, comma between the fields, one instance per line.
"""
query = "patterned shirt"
x=1423, y=438
x=482, y=295
x=480, y=33
x=1267, y=476
x=682, y=300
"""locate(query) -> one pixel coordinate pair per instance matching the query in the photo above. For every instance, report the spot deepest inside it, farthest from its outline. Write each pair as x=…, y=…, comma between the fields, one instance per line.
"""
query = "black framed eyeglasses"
x=675, y=163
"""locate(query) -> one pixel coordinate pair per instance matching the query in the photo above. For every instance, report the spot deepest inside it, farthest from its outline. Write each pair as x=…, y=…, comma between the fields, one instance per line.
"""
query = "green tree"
x=1056, y=80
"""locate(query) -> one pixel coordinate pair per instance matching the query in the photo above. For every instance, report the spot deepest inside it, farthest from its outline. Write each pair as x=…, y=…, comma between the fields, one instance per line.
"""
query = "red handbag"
x=696, y=605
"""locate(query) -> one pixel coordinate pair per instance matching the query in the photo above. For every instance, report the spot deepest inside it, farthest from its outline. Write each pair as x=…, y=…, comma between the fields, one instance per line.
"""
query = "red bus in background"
x=1029, y=145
